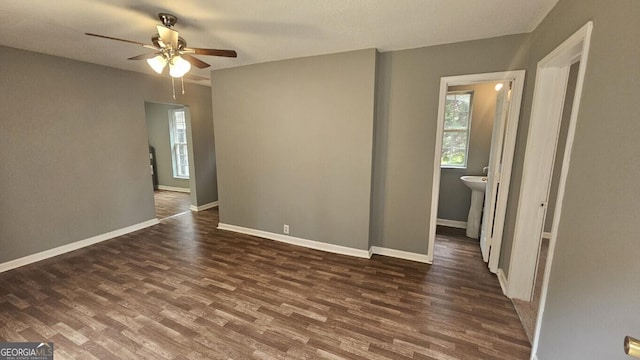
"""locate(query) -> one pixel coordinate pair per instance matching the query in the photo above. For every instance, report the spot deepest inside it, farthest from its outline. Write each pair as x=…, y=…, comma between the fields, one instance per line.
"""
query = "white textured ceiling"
x=259, y=30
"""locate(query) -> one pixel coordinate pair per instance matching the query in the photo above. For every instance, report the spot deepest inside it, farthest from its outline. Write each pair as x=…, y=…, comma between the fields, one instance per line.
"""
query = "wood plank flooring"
x=185, y=290
x=528, y=310
x=170, y=203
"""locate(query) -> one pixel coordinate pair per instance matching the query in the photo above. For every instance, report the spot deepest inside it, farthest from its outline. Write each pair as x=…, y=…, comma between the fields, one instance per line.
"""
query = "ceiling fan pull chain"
x=173, y=88
x=182, y=80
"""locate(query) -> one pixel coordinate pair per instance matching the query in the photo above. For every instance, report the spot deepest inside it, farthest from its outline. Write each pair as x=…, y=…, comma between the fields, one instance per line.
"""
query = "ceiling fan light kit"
x=178, y=66
x=157, y=63
x=171, y=49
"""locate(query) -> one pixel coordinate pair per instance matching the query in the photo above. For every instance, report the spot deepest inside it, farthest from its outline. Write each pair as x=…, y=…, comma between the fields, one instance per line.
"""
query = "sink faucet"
x=485, y=170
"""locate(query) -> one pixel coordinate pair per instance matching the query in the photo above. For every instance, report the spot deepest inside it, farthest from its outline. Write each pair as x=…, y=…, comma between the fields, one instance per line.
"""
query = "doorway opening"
x=500, y=141
x=470, y=115
x=170, y=164
x=552, y=79
x=528, y=310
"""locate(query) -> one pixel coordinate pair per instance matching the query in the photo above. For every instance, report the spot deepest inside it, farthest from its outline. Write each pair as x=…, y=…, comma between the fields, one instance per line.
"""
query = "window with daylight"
x=178, y=138
x=457, y=127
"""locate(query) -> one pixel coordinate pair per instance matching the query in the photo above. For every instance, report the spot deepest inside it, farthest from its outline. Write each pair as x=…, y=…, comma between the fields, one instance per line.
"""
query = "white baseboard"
x=173, y=188
x=203, y=207
x=503, y=281
x=29, y=259
x=317, y=245
x=546, y=235
x=399, y=254
x=452, y=223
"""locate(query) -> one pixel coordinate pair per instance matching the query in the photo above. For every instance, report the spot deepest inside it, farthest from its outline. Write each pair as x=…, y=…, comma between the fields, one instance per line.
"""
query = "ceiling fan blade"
x=168, y=36
x=195, y=61
x=213, y=52
x=148, y=46
x=145, y=56
x=112, y=38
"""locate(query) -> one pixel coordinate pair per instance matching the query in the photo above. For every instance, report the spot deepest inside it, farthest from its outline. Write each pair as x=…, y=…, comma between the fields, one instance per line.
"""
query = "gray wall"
x=455, y=196
x=202, y=151
x=74, y=156
x=157, y=116
x=407, y=109
x=73, y=149
x=294, y=146
x=593, y=295
x=562, y=142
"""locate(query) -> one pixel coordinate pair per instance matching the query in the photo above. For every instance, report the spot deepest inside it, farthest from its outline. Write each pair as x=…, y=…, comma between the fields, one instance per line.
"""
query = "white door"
x=495, y=167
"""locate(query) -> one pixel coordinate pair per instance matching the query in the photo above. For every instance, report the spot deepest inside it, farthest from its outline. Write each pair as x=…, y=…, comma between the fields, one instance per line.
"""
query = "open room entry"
x=546, y=116
x=552, y=78
x=169, y=157
x=499, y=168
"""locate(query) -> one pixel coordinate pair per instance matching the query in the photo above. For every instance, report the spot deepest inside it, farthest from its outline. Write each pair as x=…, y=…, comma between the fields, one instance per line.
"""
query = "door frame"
x=192, y=166
x=572, y=50
x=517, y=79
x=546, y=113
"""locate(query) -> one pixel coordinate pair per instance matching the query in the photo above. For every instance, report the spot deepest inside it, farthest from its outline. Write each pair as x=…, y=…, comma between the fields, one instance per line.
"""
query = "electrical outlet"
x=285, y=229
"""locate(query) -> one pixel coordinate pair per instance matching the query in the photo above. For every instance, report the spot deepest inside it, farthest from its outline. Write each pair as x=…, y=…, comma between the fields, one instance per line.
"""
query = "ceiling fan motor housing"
x=168, y=20
x=182, y=43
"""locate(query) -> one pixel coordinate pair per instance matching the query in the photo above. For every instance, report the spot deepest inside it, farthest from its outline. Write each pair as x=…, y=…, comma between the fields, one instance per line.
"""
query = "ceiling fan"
x=171, y=49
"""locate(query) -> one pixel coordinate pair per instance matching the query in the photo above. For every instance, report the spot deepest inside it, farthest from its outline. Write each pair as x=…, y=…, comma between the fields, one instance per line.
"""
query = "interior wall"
x=592, y=300
x=407, y=109
x=294, y=146
x=202, y=152
x=158, y=134
x=455, y=196
x=74, y=161
x=73, y=149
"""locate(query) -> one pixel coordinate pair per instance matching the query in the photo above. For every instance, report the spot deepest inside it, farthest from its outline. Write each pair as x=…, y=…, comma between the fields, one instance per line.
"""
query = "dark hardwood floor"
x=170, y=203
x=185, y=290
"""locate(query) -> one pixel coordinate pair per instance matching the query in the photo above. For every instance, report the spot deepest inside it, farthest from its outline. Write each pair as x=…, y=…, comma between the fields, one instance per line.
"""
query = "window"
x=178, y=138
x=457, y=126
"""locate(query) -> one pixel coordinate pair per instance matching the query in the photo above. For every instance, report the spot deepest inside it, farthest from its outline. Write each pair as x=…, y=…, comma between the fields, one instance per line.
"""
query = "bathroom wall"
x=455, y=197
x=408, y=84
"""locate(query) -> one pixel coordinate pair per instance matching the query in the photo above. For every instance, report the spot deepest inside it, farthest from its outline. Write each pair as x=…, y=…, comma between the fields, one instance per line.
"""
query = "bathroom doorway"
x=484, y=131
x=470, y=111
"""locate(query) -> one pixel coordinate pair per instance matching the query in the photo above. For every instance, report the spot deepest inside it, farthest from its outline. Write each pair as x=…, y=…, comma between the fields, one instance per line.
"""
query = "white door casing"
x=572, y=50
x=544, y=127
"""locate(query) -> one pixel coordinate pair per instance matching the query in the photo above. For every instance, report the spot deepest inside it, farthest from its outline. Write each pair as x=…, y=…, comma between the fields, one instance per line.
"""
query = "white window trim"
x=174, y=156
x=468, y=130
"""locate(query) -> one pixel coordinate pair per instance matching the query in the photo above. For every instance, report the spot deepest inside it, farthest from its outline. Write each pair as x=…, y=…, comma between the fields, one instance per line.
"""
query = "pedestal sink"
x=478, y=185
